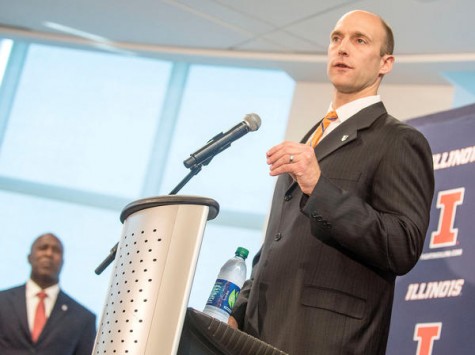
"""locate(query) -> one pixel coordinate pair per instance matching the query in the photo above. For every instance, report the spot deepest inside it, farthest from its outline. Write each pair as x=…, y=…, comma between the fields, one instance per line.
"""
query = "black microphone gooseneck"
x=222, y=141
x=201, y=157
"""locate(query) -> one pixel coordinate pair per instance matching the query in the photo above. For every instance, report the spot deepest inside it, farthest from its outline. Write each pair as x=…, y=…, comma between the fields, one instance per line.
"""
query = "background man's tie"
x=40, y=317
x=331, y=116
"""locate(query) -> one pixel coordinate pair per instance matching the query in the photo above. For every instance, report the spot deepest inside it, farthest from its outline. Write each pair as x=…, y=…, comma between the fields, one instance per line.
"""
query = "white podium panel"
x=152, y=275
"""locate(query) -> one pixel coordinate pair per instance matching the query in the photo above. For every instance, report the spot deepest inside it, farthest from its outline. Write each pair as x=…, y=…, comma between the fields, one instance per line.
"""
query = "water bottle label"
x=223, y=295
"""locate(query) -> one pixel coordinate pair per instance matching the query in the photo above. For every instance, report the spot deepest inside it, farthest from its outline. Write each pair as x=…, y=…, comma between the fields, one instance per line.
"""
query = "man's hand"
x=296, y=159
x=232, y=322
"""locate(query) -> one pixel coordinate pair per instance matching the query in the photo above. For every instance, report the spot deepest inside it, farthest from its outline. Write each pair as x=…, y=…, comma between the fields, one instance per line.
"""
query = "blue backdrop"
x=434, y=306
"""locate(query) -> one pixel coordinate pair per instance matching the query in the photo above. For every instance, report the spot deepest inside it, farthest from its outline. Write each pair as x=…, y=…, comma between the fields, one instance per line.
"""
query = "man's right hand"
x=296, y=159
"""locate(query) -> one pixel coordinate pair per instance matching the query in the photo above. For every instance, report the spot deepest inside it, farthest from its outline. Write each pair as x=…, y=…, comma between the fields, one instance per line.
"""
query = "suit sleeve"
x=385, y=229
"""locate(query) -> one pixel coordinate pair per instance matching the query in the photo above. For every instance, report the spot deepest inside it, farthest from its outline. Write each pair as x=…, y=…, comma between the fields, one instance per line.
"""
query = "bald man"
x=350, y=212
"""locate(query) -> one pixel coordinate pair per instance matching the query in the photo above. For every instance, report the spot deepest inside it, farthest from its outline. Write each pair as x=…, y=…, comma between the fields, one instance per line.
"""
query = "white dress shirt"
x=32, y=300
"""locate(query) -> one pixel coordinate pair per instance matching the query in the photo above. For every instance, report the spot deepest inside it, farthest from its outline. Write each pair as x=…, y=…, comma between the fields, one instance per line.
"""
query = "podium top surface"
x=204, y=335
x=150, y=202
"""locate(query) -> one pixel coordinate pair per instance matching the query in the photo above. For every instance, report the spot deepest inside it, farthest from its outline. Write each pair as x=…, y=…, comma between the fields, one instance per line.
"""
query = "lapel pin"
x=344, y=138
x=64, y=307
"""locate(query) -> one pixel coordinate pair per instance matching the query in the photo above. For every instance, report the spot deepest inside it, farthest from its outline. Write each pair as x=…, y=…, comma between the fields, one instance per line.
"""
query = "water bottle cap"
x=242, y=252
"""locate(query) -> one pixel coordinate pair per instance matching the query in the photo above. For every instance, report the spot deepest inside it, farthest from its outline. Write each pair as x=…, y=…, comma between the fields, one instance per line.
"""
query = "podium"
x=147, y=298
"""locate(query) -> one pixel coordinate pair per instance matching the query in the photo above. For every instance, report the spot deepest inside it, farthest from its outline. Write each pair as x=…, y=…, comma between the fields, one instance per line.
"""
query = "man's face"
x=355, y=64
x=46, y=259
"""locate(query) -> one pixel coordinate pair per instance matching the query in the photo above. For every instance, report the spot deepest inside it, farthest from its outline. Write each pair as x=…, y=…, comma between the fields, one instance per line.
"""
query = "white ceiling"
x=432, y=36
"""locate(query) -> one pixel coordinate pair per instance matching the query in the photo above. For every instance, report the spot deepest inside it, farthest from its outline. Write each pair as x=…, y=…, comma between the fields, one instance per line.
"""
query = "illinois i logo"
x=447, y=202
x=425, y=334
x=446, y=233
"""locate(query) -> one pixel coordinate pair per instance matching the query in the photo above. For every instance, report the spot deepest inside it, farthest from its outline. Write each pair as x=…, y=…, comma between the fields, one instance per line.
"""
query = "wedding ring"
x=291, y=159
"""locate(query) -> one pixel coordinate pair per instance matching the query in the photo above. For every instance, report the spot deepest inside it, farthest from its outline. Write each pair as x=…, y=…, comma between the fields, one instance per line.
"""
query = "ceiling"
x=432, y=36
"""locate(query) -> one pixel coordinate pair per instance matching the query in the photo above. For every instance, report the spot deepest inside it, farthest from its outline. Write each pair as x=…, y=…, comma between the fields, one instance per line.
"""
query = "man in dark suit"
x=348, y=215
x=69, y=329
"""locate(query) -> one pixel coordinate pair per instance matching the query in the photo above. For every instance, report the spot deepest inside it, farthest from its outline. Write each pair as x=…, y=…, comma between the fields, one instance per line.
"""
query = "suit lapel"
x=334, y=141
x=347, y=132
x=59, y=311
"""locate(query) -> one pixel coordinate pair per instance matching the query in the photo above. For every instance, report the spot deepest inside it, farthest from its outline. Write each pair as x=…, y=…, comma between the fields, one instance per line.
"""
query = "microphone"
x=221, y=141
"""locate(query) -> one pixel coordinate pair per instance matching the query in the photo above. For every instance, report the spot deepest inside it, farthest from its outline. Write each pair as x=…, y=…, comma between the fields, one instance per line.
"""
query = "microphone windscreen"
x=253, y=121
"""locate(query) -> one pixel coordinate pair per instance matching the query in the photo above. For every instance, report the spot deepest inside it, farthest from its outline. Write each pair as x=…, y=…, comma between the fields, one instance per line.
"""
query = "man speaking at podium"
x=350, y=212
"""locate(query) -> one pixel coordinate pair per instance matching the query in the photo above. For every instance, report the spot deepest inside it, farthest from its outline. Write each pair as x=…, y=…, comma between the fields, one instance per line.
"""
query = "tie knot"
x=331, y=116
x=42, y=295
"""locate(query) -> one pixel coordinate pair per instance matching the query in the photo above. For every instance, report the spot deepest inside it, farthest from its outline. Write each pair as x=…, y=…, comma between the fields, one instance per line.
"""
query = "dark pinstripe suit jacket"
x=323, y=281
x=70, y=329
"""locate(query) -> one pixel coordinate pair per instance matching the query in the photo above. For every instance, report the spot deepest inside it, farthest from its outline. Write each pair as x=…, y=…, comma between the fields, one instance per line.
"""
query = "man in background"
x=350, y=212
x=39, y=318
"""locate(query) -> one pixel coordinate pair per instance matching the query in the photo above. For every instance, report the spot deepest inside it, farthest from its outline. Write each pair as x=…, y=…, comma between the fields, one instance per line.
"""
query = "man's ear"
x=387, y=62
x=29, y=259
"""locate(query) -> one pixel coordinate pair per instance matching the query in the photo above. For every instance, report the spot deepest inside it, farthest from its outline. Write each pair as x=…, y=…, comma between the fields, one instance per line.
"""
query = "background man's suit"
x=70, y=329
x=329, y=260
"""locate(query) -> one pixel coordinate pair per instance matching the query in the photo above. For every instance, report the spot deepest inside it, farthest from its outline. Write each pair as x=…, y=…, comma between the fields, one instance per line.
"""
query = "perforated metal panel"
x=151, y=280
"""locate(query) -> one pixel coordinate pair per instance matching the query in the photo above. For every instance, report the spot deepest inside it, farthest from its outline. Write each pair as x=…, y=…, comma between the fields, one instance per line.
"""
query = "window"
x=88, y=132
x=5, y=48
x=84, y=120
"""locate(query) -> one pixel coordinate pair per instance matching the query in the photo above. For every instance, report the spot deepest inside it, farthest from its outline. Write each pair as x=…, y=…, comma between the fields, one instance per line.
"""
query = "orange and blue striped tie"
x=329, y=118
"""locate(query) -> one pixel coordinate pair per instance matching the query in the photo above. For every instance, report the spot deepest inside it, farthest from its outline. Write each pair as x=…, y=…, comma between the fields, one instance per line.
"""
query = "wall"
x=311, y=101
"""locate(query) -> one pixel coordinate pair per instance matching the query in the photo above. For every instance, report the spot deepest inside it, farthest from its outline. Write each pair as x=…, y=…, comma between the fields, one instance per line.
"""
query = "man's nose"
x=342, y=47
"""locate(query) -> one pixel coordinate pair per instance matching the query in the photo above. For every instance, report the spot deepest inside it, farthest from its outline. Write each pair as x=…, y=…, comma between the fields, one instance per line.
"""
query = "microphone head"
x=253, y=121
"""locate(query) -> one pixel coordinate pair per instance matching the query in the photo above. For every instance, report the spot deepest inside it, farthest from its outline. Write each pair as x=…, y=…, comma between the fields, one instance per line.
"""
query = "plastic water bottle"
x=226, y=289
